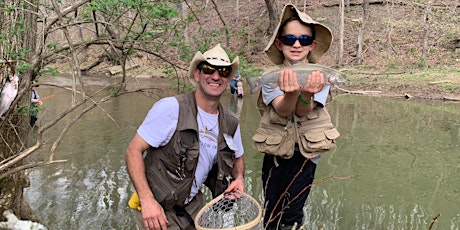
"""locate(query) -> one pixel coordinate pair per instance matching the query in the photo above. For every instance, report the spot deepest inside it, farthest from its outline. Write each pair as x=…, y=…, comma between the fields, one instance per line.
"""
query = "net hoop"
x=246, y=226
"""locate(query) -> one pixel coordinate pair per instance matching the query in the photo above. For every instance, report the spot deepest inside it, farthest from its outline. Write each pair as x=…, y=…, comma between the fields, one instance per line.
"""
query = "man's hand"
x=154, y=216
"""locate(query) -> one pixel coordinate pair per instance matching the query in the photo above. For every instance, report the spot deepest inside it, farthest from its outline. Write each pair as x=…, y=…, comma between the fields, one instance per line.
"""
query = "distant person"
x=295, y=127
x=184, y=142
x=234, y=83
x=36, y=102
x=239, y=89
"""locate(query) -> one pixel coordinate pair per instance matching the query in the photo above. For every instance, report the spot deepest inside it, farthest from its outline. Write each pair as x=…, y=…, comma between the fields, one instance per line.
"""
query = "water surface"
x=405, y=156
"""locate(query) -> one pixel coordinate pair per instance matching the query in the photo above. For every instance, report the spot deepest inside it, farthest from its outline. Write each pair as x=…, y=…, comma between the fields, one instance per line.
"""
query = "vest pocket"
x=319, y=140
x=274, y=143
x=317, y=134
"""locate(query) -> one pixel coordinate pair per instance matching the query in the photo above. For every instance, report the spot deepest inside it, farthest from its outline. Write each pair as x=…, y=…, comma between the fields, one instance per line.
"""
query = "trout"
x=302, y=70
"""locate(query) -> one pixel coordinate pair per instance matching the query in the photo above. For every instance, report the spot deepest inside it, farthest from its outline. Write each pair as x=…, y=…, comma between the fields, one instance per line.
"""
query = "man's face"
x=210, y=80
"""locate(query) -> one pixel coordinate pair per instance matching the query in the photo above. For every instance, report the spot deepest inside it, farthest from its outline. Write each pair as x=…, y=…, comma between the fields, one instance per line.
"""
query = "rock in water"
x=14, y=223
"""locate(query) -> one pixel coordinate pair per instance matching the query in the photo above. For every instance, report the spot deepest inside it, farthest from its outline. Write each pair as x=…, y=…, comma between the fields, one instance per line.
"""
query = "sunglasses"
x=224, y=71
x=290, y=40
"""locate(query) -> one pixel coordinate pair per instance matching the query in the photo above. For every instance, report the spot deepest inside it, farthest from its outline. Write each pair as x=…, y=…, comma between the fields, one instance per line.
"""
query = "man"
x=36, y=101
x=188, y=141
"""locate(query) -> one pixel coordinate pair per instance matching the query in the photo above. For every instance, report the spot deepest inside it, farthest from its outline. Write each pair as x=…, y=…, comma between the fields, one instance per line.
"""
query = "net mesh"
x=224, y=213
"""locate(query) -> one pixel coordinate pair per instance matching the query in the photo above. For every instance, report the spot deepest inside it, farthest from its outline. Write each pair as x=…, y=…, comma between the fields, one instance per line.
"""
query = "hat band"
x=216, y=58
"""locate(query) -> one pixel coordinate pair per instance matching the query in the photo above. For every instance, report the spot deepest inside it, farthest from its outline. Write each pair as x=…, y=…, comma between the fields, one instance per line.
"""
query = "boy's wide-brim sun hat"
x=323, y=36
x=215, y=56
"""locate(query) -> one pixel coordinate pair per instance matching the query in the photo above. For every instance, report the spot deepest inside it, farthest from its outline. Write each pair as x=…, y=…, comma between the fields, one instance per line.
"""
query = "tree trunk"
x=342, y=21
x=14, y=126
x=237, y=11
x=362, y=27
x=273, y=15
x=426, y=37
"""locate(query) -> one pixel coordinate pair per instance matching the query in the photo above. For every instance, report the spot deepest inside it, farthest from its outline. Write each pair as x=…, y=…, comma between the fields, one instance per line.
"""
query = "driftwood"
x=359, y=92
x=117, y=69
x=406, y=95
x=92, y=65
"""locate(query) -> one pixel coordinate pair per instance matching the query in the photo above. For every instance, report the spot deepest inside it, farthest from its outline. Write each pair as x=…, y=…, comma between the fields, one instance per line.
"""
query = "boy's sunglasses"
x=289, y=40
x=224, y=71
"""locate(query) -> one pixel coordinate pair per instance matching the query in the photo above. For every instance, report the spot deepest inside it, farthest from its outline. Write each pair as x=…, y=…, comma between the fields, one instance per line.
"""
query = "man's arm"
x=152, y=212
x=238, y=176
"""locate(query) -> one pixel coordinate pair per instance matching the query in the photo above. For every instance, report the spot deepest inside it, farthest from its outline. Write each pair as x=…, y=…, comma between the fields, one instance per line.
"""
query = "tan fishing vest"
x=276, y=135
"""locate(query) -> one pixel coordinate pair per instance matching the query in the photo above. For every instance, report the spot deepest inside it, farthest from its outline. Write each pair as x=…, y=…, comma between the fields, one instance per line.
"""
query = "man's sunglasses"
x=290, y=40
x=224, y=71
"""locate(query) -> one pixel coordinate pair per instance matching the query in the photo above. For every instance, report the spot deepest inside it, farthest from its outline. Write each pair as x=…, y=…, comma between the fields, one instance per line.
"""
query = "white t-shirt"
x=160, y=124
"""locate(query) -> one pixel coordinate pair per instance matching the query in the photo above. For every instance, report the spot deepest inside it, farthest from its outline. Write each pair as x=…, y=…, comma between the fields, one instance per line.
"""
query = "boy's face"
x=295, y=52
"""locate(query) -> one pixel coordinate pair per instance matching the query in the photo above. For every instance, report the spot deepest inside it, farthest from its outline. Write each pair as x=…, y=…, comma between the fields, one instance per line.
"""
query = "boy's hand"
x=315, y=83
x=287, y=82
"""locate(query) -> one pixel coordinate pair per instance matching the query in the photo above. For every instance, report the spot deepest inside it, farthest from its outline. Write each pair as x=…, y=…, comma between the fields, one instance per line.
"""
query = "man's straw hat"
x=215, y=56
x=323, y=36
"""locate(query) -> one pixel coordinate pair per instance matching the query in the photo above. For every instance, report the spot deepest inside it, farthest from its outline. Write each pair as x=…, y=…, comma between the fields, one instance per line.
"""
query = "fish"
x=302, y=70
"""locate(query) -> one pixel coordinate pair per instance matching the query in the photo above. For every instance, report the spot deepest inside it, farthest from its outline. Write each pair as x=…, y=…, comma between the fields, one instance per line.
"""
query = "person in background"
x=291, y=115
x=234, y=83
x=239, y=89
x=35, y=103
x=184, y=142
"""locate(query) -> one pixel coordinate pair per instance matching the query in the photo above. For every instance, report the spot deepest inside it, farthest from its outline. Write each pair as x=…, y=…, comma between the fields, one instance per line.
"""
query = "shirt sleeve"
x=321, y=96
x=239, y=143
x=269, y=93
x=160, y=123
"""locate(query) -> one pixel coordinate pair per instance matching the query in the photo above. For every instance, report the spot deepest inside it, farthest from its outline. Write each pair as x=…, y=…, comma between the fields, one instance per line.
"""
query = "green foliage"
x=421, y=63
x=23, y=66
x=243, y=32
x=51, y=46
x=413, y=51
x=48, y=70
x=112, y=91
x=27, y=110
x=449, y=87
x=24, y=110
x=392, y=64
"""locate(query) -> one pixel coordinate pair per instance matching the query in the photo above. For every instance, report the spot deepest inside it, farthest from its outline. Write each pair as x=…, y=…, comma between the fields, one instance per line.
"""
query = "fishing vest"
x=170, y=169
x=277, y=135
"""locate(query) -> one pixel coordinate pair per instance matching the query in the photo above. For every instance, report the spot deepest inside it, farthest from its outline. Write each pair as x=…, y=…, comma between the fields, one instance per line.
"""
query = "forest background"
x=404, y=48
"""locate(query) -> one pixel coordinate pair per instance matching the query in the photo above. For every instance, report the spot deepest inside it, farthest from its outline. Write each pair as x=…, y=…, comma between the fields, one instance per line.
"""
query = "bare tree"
x=427, y=20
x=362, y=26
x=13, y=127
x=31, y=47
x=342, y=28
x=227, y=32
x=273, y=14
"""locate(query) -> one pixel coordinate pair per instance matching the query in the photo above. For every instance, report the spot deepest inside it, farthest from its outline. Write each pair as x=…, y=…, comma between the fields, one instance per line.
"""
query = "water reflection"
x=405, y=153
x=236, y=105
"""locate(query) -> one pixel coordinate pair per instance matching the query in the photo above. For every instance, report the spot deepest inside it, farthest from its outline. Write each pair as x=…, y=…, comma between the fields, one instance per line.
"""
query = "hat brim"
x=323, y=36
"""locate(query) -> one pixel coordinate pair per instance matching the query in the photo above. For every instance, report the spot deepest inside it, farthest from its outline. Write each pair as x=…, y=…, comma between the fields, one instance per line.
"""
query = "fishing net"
x=243, y=213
